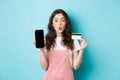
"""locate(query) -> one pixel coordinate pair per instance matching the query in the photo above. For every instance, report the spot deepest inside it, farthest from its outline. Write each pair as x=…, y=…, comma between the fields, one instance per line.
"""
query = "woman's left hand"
x=83, y=44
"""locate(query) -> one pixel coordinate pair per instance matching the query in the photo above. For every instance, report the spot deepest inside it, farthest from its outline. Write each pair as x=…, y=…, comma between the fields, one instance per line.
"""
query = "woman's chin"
x=59, y=32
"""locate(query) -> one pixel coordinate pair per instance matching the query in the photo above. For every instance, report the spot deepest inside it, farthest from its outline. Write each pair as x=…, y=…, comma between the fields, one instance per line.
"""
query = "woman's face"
x=59, y=23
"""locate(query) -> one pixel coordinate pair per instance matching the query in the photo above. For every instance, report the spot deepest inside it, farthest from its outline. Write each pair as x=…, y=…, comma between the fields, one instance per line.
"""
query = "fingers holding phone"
x=34, y=41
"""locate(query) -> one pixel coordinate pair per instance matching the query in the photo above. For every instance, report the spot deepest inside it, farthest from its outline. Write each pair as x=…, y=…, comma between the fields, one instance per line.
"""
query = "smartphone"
x=39, y=36
x=76, y=35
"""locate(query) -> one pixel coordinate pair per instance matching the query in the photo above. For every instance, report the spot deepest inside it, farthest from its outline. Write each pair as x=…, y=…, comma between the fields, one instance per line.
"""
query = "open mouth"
x=60, y=28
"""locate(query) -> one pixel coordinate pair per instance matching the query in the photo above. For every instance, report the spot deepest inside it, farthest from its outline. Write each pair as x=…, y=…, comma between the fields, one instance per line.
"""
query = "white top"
x=59, y=45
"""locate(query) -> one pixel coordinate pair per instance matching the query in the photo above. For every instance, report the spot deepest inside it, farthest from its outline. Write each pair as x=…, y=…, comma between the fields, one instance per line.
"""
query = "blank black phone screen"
x=39, y=36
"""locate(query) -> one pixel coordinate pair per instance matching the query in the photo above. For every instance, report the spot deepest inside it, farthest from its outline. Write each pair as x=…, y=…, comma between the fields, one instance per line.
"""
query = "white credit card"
x=76, y=35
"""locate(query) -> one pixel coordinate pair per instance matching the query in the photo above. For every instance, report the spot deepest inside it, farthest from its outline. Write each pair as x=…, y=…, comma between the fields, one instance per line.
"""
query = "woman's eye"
x=56, y=20
x=63, y=20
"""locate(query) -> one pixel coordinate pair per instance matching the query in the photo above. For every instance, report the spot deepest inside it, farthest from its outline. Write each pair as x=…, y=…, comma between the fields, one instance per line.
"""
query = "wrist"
x=81, y=48
x=41, y=50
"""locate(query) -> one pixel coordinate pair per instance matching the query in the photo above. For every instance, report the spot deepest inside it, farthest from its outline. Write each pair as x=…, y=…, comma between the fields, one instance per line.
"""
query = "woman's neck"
x=59, y=34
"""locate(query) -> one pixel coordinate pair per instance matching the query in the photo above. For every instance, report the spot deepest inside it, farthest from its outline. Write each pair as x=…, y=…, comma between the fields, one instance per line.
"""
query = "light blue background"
x=97, y=20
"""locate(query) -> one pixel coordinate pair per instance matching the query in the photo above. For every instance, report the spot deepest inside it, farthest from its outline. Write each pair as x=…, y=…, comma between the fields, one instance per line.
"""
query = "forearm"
x=78, y=59
x=43, y=59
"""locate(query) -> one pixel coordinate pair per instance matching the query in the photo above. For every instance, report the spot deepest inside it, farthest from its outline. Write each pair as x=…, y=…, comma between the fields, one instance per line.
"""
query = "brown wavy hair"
x=66, y=34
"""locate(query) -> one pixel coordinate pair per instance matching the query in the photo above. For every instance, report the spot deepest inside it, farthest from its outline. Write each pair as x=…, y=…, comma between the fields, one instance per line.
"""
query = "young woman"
x=61, y=52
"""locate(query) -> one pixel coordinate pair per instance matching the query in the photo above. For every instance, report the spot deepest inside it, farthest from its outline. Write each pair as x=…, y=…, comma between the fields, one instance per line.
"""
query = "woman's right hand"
x=34, y=41
x=41, y=49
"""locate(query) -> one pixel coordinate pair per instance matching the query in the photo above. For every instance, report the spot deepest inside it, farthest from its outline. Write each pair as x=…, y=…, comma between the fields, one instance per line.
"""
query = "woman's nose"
x=59, y=23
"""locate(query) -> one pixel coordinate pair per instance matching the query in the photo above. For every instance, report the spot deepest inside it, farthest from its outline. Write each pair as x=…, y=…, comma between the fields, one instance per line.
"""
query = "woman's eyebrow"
x=55, y=18
x=63, y=18
x=58, y=18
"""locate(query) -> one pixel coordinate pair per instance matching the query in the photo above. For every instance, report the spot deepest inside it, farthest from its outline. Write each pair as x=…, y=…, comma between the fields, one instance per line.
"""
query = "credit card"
x=76, y=35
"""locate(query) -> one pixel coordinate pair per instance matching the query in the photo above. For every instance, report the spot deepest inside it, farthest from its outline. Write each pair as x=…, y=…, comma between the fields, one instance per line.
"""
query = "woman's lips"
x=60, y=28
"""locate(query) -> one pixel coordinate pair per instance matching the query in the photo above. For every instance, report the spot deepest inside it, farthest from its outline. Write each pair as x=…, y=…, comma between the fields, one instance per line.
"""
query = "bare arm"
x=77, y=55
x=43, y=59
x=77, y=59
